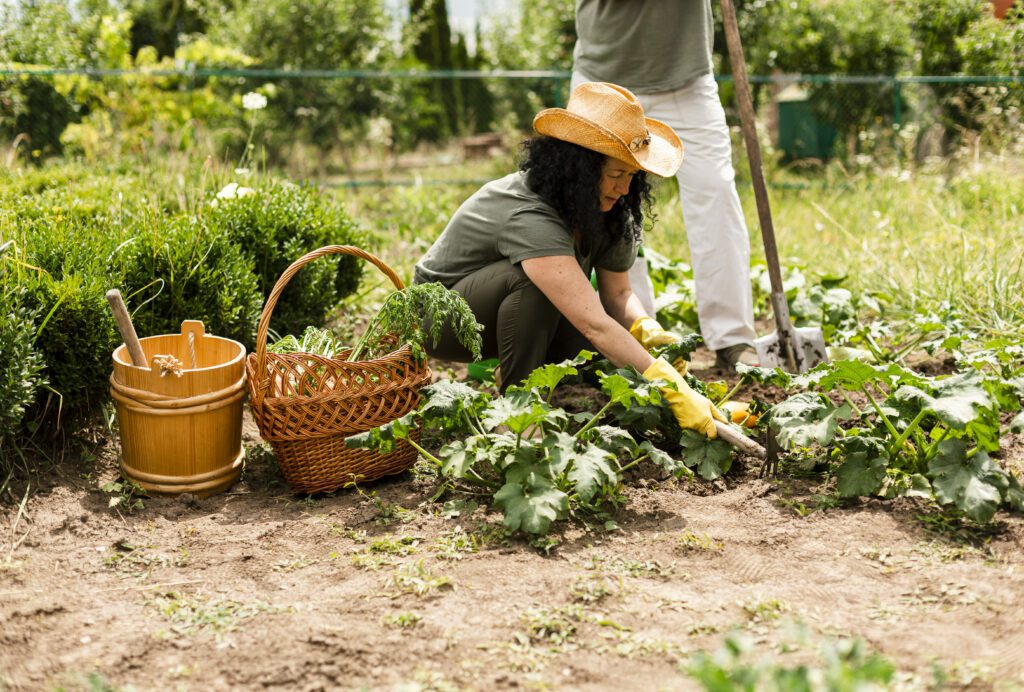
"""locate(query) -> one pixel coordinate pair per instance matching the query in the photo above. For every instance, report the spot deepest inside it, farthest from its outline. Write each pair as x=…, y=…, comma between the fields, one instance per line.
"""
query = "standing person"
x=661, y=51
x=521, y=249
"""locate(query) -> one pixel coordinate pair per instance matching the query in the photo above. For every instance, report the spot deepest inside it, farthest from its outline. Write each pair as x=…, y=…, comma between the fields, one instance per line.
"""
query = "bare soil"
x=379, y=589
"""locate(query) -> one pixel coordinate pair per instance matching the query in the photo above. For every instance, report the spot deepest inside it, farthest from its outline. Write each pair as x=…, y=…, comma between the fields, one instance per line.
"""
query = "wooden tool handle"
x=127, y=329
x=741, y=87
x=739, y=440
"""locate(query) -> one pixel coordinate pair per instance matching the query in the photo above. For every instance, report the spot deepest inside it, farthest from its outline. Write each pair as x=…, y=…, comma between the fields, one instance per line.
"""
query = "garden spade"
x=796, y=348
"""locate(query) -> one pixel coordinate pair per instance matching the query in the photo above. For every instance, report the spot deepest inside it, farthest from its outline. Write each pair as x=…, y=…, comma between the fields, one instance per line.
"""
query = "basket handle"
x=263, y=380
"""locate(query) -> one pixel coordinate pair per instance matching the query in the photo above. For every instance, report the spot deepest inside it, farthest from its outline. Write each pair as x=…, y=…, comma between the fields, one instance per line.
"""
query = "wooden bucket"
x=181, y=432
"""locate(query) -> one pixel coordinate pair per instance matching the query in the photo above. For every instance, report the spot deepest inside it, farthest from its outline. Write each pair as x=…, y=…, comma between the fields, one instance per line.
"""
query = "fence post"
x=897, y=102
x=561, y=86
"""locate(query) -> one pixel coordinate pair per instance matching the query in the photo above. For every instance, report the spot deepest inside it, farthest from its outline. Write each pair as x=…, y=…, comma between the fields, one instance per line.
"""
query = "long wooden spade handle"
x=764, y=212
x=739, y=440
x=127, y=329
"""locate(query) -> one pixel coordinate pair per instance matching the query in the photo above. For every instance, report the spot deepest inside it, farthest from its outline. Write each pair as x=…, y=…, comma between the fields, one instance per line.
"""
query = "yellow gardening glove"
x=691, y=409
x=649, y=333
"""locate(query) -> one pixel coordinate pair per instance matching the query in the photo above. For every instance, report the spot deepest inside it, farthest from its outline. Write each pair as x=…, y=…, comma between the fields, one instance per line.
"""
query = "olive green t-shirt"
x=507, y=220
x=647, y=46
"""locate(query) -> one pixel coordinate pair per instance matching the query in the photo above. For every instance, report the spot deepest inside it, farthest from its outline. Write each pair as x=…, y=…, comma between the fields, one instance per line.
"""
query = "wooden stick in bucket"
x=127, y=329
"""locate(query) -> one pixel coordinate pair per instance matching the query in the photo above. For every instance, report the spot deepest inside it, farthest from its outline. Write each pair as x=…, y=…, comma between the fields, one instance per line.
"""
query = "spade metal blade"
x=808, y=349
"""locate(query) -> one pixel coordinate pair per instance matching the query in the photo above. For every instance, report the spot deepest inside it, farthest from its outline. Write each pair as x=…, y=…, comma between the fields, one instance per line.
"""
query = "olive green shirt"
x=647, y=46
x=507, y=220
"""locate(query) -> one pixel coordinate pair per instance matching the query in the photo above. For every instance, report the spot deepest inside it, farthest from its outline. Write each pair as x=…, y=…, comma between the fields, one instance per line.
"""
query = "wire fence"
x=358, y=119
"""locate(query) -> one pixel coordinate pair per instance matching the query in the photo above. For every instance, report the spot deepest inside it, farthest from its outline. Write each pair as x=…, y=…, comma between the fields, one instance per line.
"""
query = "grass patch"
x=189, y=614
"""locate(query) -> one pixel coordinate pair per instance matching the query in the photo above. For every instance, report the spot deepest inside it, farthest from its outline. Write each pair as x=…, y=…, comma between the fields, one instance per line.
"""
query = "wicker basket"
x=306, y=405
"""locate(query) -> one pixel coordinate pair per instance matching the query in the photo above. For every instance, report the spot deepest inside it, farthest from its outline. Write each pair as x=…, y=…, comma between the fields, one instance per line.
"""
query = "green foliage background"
x=319, y=122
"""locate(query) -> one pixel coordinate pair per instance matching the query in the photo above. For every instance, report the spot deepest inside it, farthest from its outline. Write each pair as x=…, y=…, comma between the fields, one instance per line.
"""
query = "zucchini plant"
x=909, y=435
x=538, y=462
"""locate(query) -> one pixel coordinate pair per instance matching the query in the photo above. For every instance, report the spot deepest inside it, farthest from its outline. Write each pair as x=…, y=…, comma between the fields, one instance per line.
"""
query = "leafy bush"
x=850, y=37
x=21, y=376
x=34, y=34
x=276, y=226
x=77, y=336
x=312, y=34
x=33, y=110
x=187, y=269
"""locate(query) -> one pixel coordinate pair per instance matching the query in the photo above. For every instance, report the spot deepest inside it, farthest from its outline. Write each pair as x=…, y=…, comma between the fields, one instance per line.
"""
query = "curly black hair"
x=568, y=177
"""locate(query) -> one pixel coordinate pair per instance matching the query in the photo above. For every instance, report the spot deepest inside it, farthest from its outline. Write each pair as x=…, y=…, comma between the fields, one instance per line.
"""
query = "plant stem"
x=875, y=349
x=855, y=407
x=477, y=480
x=895, y=448
x=590, y=423
x=904, y=350
x=427, y=455
x=471, y=423
x=878, y=409
x=730, y=392
x=935, y=445
x=368, y=332
x=623, y=469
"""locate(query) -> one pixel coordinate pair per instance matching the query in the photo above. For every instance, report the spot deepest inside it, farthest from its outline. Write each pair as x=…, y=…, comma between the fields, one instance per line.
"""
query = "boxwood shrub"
x=184, y=269
x=76, y=338
x=21, y=377
x=276, y=226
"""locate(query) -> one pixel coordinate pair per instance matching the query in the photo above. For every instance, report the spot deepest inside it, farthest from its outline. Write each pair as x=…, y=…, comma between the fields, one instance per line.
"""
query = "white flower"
x=234, y=191
x=254, y=101
x=380, y=131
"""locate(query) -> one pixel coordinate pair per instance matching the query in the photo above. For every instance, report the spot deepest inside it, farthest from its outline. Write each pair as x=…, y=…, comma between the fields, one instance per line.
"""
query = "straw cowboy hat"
x=608, y=119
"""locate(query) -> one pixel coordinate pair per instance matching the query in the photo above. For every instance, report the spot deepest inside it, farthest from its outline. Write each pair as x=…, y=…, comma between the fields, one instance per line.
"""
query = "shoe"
x=727, y=358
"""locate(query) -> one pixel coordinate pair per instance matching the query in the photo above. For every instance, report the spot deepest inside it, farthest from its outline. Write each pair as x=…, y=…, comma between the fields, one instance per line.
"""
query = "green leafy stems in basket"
x=405, y=312
x=400, y=320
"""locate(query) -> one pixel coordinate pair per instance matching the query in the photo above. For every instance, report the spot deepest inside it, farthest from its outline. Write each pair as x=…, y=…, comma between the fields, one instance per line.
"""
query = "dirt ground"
x=382, y=589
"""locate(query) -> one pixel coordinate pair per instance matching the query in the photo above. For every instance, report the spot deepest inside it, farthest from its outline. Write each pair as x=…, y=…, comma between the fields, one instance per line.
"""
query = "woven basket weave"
x=305, y=405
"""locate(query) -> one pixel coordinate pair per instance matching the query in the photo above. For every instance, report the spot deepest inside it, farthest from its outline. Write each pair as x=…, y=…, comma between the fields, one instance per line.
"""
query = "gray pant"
x=521, y=326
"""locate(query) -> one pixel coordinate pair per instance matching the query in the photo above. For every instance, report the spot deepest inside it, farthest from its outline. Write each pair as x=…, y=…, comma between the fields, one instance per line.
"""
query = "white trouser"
x=715, y=228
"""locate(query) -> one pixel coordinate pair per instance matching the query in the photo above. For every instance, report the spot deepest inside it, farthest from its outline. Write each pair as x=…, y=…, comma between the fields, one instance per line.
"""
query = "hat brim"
x=662, y=156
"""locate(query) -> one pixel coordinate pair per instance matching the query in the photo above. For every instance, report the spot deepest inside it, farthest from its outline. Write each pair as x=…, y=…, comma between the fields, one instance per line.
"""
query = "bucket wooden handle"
x=127, y=329
x=263, y=380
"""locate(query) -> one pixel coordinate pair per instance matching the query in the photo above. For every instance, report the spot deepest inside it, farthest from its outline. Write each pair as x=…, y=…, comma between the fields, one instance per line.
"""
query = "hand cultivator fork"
x=797, y=349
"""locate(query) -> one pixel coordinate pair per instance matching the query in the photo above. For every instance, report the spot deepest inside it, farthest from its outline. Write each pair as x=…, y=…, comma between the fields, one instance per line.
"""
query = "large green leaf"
x=612, y=439
x=806, y=418
x=665, y=460
x=518, y=410
x=444, y=404
x=1014, y=495
x=531, y=508
x=680, y=350
x=956, y=401
x=547, y=377
x=711, y=458
x=459, y=456
x=861, y=474
x=972, y=483
x=768, y=376
x=560, y=449
x=1017, y=424
x=383, y=438
x=643, y=409
x=587, y=466
x=853, y=375
x=591, y=469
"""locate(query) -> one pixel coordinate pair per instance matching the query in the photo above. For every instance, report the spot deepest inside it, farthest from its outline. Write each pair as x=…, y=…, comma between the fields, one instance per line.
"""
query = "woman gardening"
x=520, y=250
